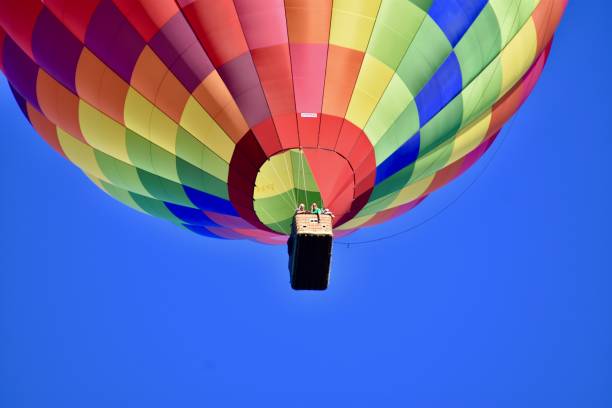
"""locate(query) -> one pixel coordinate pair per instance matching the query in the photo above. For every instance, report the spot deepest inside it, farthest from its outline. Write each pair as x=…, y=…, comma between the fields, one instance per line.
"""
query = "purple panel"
x=177, y=46
x=112, y=39
x=55, y=49
x=20, y=71
x=242, y=80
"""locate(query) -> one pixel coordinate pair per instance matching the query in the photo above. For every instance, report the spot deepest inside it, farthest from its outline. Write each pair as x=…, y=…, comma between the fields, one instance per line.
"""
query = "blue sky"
x=503, y=300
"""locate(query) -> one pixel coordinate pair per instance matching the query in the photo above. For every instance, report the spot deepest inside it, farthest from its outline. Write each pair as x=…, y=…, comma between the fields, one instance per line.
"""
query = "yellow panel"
x=469, y=138
x=511, y=13
x=80, y=154
x=198, y=122
x=371, y=84
x=144, y=119
x=163, y=131
x=394, y=101
x=518, y=55
x=275, y=177
x=352, y=23
x=102, y=132
x=411, y=192
x=355, y=223
x=138, y=114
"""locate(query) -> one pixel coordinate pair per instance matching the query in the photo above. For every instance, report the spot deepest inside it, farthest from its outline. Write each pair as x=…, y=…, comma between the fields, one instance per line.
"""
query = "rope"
x=348, y=244
x=451, y=203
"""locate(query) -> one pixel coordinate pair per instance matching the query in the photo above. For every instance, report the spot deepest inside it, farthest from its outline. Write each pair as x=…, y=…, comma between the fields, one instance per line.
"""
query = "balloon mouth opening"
x=270, y=177
x=302, y=176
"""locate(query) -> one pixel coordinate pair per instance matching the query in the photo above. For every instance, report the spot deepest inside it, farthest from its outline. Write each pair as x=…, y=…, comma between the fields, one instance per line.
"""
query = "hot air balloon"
x=221, y=116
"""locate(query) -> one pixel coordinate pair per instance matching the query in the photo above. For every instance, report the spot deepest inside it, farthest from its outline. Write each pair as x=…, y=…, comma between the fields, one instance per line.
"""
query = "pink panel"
x=263, y=22
x=309, y=62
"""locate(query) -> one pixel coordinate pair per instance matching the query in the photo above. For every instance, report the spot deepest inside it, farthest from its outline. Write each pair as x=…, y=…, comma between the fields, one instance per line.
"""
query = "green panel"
x=424, y=5
x=427, y=52
x=119, y=173
x=394, y=101
x=193, y=151
x=378, y=205
x=139, y=151
x=482, y=93
x=155, y=207
x=120, y=195
x=512, y=15
x=302, y=176
x=432, y=162
x=393, y=184
x=192, y=176
x=479, y=45
x=164, y=190
x=396, y=25
x=442, y=127
x=406, y=126
x=277, y=211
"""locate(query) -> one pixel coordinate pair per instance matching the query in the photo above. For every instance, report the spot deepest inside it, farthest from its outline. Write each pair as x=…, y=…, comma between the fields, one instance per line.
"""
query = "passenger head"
x=313, y=206
x=301, y=207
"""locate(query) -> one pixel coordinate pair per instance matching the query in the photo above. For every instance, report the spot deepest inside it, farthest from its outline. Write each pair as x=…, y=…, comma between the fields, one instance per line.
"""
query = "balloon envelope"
x=222, y=116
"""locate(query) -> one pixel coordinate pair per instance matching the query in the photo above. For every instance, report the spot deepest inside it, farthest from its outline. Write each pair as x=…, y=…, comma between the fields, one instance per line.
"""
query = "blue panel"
x=190, y=215
x=401, y=158
x=208, y=202
x=456, y=16
x=201, y=231
x=440, y=90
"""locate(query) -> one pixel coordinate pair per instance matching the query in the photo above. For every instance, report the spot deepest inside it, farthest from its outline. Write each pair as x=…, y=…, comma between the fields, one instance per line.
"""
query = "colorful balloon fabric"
x=222, y=116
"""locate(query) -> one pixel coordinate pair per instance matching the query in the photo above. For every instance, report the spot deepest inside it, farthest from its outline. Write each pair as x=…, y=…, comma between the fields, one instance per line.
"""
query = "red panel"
x=349, y=134
x=362, y=150
x=274, y=69
x=147, y=16
x=17, y=18
x=287, y=130
x=330, y=128
x=216, y=25
x=267, y=138
x=333, y=176
x=74, y=14
x=308, y=129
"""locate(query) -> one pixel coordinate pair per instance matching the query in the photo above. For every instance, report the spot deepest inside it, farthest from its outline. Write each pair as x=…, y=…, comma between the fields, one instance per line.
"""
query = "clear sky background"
x=503, y=300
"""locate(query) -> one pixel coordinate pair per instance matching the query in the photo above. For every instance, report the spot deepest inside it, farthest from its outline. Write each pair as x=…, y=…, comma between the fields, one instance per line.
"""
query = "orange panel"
x=172, y=97
x=59, y=104
x=216, y=99
x=44, y=128
x=546, y=18
x=343, y=66
x=148, y=74
x=100, y=86
x=308, y=21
